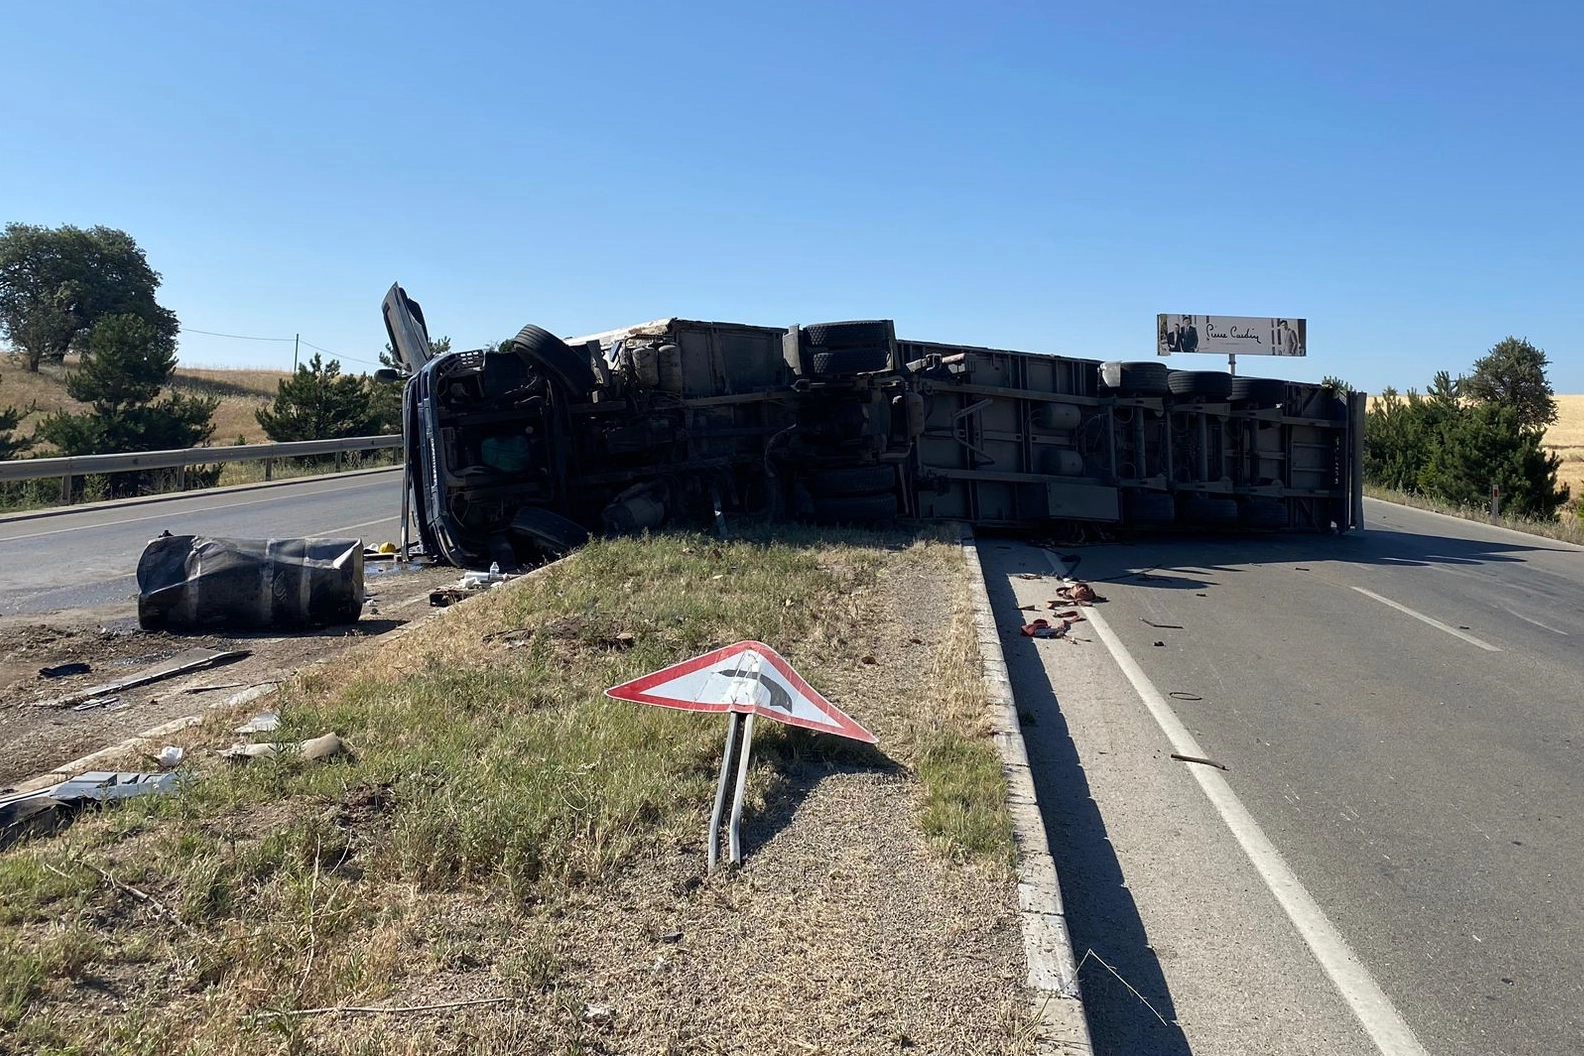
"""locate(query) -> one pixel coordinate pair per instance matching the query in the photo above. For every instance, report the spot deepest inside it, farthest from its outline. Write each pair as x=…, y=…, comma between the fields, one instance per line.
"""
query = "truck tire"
x=1210, y=384
x=859, y=480
x=858, y=509
x=552, y=533
x=542, y=348
x=1148, y=507
x=843, y=361
x=1144, y=378
x=1259, y=390
x=857, y=333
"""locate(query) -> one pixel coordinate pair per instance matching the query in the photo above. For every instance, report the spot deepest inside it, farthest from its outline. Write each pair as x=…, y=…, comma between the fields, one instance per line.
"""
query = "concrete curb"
x=1058, y=1005
x=172, y=496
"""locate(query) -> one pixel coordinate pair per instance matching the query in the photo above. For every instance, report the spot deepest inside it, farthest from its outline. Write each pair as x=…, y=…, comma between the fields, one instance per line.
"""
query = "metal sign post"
x=744, y=680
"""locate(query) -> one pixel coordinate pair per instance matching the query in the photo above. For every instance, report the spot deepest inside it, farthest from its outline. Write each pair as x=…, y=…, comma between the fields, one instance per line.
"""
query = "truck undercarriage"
x=522, y=452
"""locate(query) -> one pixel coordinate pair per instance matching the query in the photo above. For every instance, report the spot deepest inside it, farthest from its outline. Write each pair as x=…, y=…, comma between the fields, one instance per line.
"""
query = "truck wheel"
x=1211, y=384
x=843, y=361
x=1259, y=390
x=861, y=509
x=570, y=368
x=549, y=531
x=857, y=333
x=860, y=480
x=1143, y=378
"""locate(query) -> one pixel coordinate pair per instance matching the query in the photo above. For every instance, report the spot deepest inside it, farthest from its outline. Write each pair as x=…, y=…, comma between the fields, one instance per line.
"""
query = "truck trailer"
x=519, y=453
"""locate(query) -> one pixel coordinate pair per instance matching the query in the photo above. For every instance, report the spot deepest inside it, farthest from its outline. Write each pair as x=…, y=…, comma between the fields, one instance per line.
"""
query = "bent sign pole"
x=745, y=681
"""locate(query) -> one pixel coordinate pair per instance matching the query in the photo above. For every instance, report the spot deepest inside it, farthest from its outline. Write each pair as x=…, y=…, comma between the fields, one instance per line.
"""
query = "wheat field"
x=1566, y=439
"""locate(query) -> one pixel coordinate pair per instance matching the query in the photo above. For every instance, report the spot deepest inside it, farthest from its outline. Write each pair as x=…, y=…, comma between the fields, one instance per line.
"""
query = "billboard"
x=1234, y=335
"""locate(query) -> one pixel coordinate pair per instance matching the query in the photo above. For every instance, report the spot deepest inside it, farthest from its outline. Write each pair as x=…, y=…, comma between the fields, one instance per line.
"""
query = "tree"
x=125, y=365
x=318, y=403
x=1336, y=384
x=57, y=283
x=1513, y=373
x=1454, y=449
x=388, y=358
x=10, y=418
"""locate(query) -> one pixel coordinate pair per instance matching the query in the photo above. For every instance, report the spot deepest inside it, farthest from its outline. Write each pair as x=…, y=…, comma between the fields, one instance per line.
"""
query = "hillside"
x=241, y=392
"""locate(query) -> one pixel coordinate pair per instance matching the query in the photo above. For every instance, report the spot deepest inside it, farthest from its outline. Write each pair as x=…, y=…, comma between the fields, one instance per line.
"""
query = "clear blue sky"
x=1044, y=176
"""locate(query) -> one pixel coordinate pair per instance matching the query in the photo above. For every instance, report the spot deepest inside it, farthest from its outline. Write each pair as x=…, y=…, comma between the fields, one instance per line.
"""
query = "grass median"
x=497, y=807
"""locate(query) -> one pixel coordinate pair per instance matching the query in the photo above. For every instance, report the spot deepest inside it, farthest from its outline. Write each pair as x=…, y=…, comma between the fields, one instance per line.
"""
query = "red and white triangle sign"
x=750, y=678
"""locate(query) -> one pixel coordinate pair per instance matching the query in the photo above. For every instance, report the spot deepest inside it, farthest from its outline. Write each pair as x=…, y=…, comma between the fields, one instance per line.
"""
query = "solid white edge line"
x=1537, y=623
x=1437, y=624
x=1059, y=1015
x=1373, y=1009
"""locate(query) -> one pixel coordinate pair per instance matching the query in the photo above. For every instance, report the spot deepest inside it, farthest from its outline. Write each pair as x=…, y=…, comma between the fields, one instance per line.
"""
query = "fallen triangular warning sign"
x=749, y=677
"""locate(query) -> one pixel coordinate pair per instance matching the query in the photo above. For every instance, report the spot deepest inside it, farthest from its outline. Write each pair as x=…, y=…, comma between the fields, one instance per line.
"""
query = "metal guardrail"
x=81, y=465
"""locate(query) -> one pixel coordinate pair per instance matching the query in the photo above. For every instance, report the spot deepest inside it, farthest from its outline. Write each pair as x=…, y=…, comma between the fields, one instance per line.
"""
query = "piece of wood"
x=181, y=663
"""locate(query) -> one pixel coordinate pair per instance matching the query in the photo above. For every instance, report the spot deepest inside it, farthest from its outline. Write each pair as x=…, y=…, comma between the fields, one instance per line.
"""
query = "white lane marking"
x=1375, y=1012
x=157, y=516
x=1537, y=623
x=1437, y=624
x=365, y=524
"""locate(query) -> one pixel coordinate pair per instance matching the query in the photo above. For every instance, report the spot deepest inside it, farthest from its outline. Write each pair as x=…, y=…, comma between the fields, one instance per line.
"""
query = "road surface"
x=85, y=558
x=1399, y=714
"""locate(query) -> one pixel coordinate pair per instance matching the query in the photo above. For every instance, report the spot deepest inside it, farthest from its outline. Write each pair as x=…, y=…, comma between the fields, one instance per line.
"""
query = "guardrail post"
x=338, y=461
x=66, y=489
x=269, y=464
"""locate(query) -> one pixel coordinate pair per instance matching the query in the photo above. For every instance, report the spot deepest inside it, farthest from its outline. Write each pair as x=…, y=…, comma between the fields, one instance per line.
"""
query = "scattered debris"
x=446, y=596
x=1028, y=608
x=1043, y=629
x=265, y=722
x=314, y=750
x=1196, y=759
x=869, y=658
x=213, y=688
x=188, y=581
x=64, y=670
x=1300, y=568
x=1160, y=644
x=1079, y=594
x=671, y=936
x=598, y=1014
x=1162, y=626
x=51, y=809
x=1178, y=694
x=181, y=663
x=96, y=702
x=1030, y=575
x=169, y=756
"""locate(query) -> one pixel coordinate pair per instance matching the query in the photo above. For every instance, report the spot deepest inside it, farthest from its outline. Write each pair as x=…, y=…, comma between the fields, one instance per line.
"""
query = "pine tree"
x=319, y=403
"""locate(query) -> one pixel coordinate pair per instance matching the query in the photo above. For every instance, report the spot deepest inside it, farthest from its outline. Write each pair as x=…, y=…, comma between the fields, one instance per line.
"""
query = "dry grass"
x=1565, y=438
x=241, y=392
x=504, y=830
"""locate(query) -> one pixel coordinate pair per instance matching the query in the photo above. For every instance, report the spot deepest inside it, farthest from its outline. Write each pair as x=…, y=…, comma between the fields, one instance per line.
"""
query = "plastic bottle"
x=495, y=570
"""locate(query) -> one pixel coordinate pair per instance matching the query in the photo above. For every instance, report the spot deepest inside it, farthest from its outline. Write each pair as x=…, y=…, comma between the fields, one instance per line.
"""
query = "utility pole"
x=296, y=338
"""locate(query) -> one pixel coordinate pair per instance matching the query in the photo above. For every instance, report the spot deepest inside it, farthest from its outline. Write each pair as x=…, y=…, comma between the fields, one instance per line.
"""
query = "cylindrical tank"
x=1063, y=416
x=669, y=368
x=646, y=366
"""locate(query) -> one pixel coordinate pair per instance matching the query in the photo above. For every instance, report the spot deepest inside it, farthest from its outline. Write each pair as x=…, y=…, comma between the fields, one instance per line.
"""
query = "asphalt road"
x=85, y=558
x=1399, y=712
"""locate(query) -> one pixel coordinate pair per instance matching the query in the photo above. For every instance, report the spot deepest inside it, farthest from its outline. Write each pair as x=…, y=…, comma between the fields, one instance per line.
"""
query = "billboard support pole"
x=1232, y=362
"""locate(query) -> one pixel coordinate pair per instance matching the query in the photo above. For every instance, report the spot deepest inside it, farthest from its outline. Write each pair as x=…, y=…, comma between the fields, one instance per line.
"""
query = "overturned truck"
x=520, y=452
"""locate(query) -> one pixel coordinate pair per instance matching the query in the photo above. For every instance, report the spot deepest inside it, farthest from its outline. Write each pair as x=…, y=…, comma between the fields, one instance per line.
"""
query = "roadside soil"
x=35, y=740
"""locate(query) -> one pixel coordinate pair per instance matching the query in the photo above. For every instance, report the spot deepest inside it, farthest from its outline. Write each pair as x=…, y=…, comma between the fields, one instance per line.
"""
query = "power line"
x=236, y=337
x=350, y=359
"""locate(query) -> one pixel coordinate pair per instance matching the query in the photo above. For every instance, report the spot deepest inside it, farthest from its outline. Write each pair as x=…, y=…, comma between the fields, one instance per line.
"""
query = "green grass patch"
x=487, y=769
